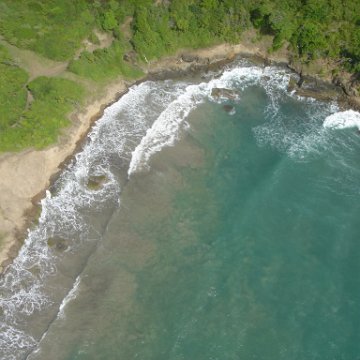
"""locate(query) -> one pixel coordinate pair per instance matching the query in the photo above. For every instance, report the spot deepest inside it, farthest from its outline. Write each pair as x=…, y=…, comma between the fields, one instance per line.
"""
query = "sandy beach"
x=25, y=176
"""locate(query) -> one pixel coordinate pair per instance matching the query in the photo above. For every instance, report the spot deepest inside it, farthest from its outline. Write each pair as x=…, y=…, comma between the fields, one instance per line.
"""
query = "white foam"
x=69, y=297
x=23, y=287
x=300, y=136
x=12, y=338
x=343, y=120
x=165, y=130
x=232, y=112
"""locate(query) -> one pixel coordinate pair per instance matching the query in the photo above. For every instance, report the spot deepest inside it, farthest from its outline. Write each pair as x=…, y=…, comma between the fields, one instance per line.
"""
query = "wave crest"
x=343, y=120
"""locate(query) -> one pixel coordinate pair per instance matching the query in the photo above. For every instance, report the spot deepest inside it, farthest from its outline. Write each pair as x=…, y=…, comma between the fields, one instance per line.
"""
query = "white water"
x=343, y=120
x=165, y=130
x=70, y=296
x=24, y=288
x=302, y=141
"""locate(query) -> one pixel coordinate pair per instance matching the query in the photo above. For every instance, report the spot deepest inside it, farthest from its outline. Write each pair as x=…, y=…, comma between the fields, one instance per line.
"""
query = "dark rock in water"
x=229, y=109
x=51, y=242
x=35, y=270
x=224, y=93
x=57, y=243
x=61, y=246
x=96, y=182
x=189, y=58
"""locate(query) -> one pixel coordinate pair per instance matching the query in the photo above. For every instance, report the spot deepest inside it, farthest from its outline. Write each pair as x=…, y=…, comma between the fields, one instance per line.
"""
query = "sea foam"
x=343, y=120
x=165, y=130
x=69, y=297
x=24, y=287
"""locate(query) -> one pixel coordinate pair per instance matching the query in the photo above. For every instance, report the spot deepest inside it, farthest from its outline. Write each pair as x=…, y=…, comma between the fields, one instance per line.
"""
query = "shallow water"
x=238, y=241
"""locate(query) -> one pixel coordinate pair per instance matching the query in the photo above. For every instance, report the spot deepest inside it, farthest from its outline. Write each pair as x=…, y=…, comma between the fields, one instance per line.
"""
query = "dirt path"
x=125, y=28
x=36, y=65
x=105, y=40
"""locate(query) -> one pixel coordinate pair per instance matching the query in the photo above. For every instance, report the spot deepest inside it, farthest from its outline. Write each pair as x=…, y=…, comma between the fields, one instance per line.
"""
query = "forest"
x=56, y=29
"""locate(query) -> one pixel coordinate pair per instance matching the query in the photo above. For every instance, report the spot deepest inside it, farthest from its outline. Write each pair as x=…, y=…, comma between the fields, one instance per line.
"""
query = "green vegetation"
x=39, y=124
x=94, y=39
x=103, y=64
x=56, y=29
x=53, y=28
x=314, y=28
x=160, y=30
x=12, y=90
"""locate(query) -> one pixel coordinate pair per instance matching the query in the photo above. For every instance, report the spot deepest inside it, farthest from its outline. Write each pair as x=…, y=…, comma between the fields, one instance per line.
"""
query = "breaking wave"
x=343, y=120
x=167, y=127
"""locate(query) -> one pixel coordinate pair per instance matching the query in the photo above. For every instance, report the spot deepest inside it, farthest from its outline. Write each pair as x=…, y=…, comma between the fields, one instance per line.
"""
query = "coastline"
x=25, y=176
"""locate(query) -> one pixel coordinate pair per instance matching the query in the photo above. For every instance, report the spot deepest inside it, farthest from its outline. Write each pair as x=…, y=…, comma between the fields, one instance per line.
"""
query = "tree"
x=109, y=21
x=311, y=40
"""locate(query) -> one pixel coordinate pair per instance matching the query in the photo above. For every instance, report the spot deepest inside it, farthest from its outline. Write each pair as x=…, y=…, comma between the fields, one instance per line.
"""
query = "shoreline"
x=25, y=176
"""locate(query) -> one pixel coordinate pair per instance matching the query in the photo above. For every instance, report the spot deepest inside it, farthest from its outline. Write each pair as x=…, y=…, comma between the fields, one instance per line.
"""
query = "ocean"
x=213, y=217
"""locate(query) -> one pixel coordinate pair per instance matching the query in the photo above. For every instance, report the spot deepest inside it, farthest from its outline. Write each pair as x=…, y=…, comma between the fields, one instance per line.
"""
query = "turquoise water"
x=240, y=241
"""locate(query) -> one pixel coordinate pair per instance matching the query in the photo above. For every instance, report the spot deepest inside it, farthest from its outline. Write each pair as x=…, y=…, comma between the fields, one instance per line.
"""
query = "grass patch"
x=12, y=90
x=39, y=125
x=53, y=28
x=104, y=64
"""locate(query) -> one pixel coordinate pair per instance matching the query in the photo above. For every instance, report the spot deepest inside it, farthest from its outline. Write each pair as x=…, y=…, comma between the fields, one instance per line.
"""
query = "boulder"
x=95, y=182
x=57, y=243
x=229, y=109
x=217, y=93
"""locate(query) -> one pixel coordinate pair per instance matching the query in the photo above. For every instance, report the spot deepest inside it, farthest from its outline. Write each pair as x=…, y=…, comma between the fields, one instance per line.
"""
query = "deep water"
x=221, y=233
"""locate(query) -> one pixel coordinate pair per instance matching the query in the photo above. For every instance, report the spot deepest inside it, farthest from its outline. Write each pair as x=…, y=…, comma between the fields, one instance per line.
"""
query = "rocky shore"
x=25, y=176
